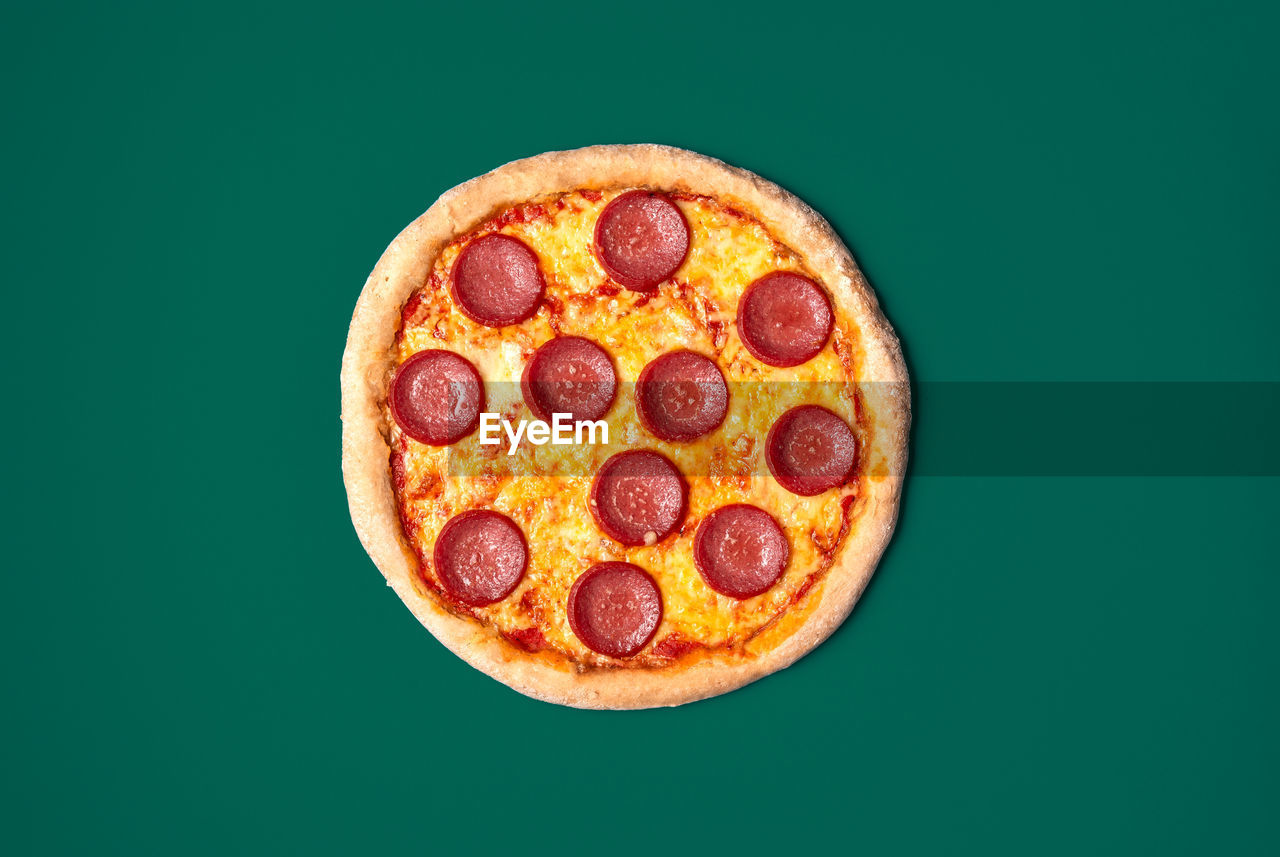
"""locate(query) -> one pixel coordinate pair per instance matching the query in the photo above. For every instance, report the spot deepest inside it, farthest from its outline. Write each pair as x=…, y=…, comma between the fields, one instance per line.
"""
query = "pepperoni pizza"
x=751, y=402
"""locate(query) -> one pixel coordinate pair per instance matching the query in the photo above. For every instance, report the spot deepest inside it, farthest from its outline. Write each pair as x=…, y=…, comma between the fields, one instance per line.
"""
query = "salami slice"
x=496, y=281
x=436, y=397
x=638, y=497
x=480, y=557
x=615, y=608
x=740, y=550
x=569, y=375
x=784, y=319
x=681, y=396
x=810, y=449
x=641, y=239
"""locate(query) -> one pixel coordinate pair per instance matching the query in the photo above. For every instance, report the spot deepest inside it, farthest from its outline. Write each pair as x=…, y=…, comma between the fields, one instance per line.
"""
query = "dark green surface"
x=200, y=659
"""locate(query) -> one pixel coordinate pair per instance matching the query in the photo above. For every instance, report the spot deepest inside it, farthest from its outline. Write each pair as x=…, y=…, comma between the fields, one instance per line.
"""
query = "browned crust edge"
x=368, y=360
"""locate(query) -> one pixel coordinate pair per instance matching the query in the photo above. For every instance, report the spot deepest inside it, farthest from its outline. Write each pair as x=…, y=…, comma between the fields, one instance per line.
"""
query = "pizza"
x=623, y=426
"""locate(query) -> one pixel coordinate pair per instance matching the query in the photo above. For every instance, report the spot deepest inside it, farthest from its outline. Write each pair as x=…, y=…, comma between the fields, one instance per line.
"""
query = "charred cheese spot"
x=696, y=310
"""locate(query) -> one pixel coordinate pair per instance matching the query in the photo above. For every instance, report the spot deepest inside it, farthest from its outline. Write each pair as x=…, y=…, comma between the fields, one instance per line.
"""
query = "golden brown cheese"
x=695, y=310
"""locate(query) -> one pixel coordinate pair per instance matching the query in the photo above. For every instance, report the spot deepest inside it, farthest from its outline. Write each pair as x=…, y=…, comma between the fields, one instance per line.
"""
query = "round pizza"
x=623, y=426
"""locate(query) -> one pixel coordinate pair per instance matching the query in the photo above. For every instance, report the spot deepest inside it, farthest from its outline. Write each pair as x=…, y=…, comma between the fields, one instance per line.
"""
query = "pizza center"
x=698, y=387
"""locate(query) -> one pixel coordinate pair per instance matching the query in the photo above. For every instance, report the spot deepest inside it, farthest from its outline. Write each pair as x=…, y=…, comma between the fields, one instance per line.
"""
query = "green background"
x=200, y=659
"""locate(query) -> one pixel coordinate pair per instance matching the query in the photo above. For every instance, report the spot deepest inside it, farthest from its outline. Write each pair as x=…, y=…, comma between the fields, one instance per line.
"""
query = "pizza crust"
x=368, y=362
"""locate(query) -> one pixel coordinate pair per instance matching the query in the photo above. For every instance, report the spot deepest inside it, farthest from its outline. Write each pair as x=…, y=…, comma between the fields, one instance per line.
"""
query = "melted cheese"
x=545, y=489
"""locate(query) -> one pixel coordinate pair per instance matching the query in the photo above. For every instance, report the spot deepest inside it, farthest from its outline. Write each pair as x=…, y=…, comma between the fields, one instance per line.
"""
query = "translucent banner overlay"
x=958, y=429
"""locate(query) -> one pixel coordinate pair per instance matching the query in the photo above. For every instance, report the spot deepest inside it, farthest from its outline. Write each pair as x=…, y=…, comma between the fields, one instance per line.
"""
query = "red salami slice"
x=436, y=397
x=615, y=608
x=784, y=319
x=641, y=239
x=480, y=557
x=810, y=449
x=740, y=550
x=569, y=375
x=681, y=396
x=497, y=281
x=638, y=497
